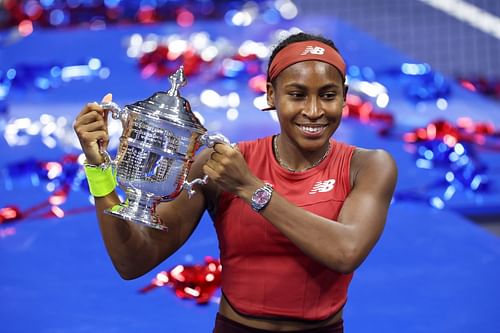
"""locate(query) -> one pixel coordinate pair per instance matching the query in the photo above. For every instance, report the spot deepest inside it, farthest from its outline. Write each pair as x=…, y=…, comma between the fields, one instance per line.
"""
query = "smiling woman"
x=311, y=232
x=309, y=98
x=295, y=213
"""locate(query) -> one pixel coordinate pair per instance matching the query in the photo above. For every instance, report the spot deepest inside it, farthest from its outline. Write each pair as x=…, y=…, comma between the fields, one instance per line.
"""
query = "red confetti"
x=192, y=62
x=482, y=85
x=364, y=111
x=59, y=196
x=466, y=130
x=258, y=83
x=162, y=62
x=10, y=214
x=147, y=15
x=185, y=18
x=64, y=172
x=198, y=282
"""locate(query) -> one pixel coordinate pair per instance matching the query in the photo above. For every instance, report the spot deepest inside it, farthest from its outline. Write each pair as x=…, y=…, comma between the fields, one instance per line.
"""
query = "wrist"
x=101, y=179
x=94, y=159
x=103, y=162
x=246, y=192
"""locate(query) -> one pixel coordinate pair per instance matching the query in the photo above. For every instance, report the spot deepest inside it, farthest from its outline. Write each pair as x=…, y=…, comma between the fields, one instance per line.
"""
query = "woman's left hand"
x=227, y=168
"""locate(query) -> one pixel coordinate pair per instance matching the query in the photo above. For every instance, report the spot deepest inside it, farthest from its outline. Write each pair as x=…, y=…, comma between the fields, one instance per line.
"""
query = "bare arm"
x=134, y=249
x=340, y=246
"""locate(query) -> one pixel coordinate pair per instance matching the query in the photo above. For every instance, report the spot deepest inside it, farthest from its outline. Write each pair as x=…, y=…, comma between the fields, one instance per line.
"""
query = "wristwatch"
x=261, y=197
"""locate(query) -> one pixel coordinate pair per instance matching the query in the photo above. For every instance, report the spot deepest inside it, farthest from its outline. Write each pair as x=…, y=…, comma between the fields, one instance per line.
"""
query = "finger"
x=226, y=149
x=213, y=165
x=89, y=118
x=104, y=143
x=217, y=157
x=90, y=107
x=90, y=138
x=222, y=147
x=226, y=153
x=108, y=98
x=212, y=174
x=93, y=127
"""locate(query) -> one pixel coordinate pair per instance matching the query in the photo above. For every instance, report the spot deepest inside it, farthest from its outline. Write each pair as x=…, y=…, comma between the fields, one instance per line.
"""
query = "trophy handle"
x=116, y=113
x=208, y=140
x=188, y=186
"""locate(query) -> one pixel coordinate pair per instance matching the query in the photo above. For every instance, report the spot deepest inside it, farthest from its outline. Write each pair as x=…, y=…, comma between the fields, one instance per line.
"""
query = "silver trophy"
x=160, y=138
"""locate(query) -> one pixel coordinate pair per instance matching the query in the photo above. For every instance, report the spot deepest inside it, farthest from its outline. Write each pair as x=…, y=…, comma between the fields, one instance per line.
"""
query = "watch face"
x=261, y=197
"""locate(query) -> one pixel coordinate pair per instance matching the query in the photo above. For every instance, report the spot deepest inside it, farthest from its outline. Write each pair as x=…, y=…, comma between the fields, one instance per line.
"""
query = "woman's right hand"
x=91, y=127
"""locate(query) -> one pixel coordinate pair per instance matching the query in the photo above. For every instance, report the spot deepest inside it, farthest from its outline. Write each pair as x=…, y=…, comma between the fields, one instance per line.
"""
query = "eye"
x=330, y=95
x=296, y=94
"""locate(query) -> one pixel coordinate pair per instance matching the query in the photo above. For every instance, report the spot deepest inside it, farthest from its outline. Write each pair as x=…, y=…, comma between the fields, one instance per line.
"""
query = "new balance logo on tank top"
x=264, y=274
x=323, y=186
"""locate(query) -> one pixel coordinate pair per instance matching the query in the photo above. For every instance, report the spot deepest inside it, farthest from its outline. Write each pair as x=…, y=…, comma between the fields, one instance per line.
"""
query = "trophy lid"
x=170, y=106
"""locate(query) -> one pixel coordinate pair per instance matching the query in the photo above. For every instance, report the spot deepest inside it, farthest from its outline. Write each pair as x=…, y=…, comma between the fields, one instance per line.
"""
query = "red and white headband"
x=304, y=51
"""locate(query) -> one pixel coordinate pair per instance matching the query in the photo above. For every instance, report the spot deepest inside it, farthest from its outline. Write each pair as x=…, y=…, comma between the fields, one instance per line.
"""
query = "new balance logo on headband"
x=313, y=50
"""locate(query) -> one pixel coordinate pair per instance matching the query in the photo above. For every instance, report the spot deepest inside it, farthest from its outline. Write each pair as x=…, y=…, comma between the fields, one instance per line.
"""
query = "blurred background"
x=424, y=85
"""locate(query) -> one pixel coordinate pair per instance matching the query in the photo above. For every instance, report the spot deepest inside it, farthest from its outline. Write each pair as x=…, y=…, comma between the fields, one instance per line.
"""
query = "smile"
x=312, y=129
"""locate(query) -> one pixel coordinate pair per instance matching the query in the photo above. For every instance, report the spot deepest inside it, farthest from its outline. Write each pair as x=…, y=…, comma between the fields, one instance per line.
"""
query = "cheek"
x=336, y=109
x=280, y=99
x=335, y=116
x=286, y=109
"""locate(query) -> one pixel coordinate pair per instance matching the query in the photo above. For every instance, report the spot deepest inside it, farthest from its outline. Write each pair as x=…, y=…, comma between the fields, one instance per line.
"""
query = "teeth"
x=311, y=129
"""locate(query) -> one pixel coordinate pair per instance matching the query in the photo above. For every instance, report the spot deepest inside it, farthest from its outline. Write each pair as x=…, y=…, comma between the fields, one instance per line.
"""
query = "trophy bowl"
x=160, y=138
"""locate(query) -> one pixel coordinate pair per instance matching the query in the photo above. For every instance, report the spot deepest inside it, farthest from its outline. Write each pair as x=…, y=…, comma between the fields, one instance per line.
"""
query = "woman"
x=295, y=213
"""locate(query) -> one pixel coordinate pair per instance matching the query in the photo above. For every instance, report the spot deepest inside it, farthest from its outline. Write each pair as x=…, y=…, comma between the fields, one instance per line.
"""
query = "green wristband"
x=101, y=181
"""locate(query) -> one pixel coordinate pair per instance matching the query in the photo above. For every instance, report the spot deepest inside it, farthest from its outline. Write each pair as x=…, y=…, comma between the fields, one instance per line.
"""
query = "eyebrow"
x=322, y=88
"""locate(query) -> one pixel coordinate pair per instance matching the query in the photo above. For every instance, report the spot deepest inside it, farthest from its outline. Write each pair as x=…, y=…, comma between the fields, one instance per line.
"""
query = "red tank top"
x=264, y=274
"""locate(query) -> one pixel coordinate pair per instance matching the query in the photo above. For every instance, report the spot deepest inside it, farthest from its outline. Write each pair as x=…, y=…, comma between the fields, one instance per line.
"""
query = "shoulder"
x=373, y=165
x=379, y=157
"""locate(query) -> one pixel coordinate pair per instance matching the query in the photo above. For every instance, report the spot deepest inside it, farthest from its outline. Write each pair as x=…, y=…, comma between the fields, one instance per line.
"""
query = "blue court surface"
x=432, y=271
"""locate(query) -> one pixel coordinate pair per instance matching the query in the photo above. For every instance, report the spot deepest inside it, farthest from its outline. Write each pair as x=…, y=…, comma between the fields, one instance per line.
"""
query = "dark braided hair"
x=299, y=37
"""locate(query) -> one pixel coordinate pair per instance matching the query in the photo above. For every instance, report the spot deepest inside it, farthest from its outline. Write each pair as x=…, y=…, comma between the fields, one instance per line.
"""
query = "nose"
x=313, y=109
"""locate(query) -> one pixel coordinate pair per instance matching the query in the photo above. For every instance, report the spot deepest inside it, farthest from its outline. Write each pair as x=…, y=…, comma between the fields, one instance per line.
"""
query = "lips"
x=312, y=130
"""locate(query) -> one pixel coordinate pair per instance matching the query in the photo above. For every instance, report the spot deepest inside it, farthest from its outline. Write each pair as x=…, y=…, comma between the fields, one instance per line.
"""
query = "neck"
x=293, y=159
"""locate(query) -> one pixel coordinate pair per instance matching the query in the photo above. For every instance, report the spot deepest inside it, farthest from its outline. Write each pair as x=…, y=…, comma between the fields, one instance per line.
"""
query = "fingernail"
x=108, y=98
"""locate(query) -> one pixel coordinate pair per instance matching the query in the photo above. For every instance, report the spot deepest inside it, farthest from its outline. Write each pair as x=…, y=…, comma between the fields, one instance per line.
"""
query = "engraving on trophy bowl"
x=154, y=159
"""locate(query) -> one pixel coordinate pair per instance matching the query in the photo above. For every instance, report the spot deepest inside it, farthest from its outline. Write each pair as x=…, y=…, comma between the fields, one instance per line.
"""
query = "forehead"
x=310, y=72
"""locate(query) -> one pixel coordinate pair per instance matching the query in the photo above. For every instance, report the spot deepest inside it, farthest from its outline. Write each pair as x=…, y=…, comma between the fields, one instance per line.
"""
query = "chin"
x=313, y=145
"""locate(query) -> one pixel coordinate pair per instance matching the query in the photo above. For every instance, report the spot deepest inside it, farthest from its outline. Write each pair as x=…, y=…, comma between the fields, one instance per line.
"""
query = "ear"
x=270, y=94
x=346, y=87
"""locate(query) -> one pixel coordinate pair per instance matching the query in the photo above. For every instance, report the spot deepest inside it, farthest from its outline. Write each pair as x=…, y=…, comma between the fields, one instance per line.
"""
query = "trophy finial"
x=177, y=80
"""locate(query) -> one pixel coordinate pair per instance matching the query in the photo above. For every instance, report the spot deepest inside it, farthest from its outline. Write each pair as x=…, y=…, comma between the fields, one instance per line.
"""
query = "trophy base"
x=138, y=209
